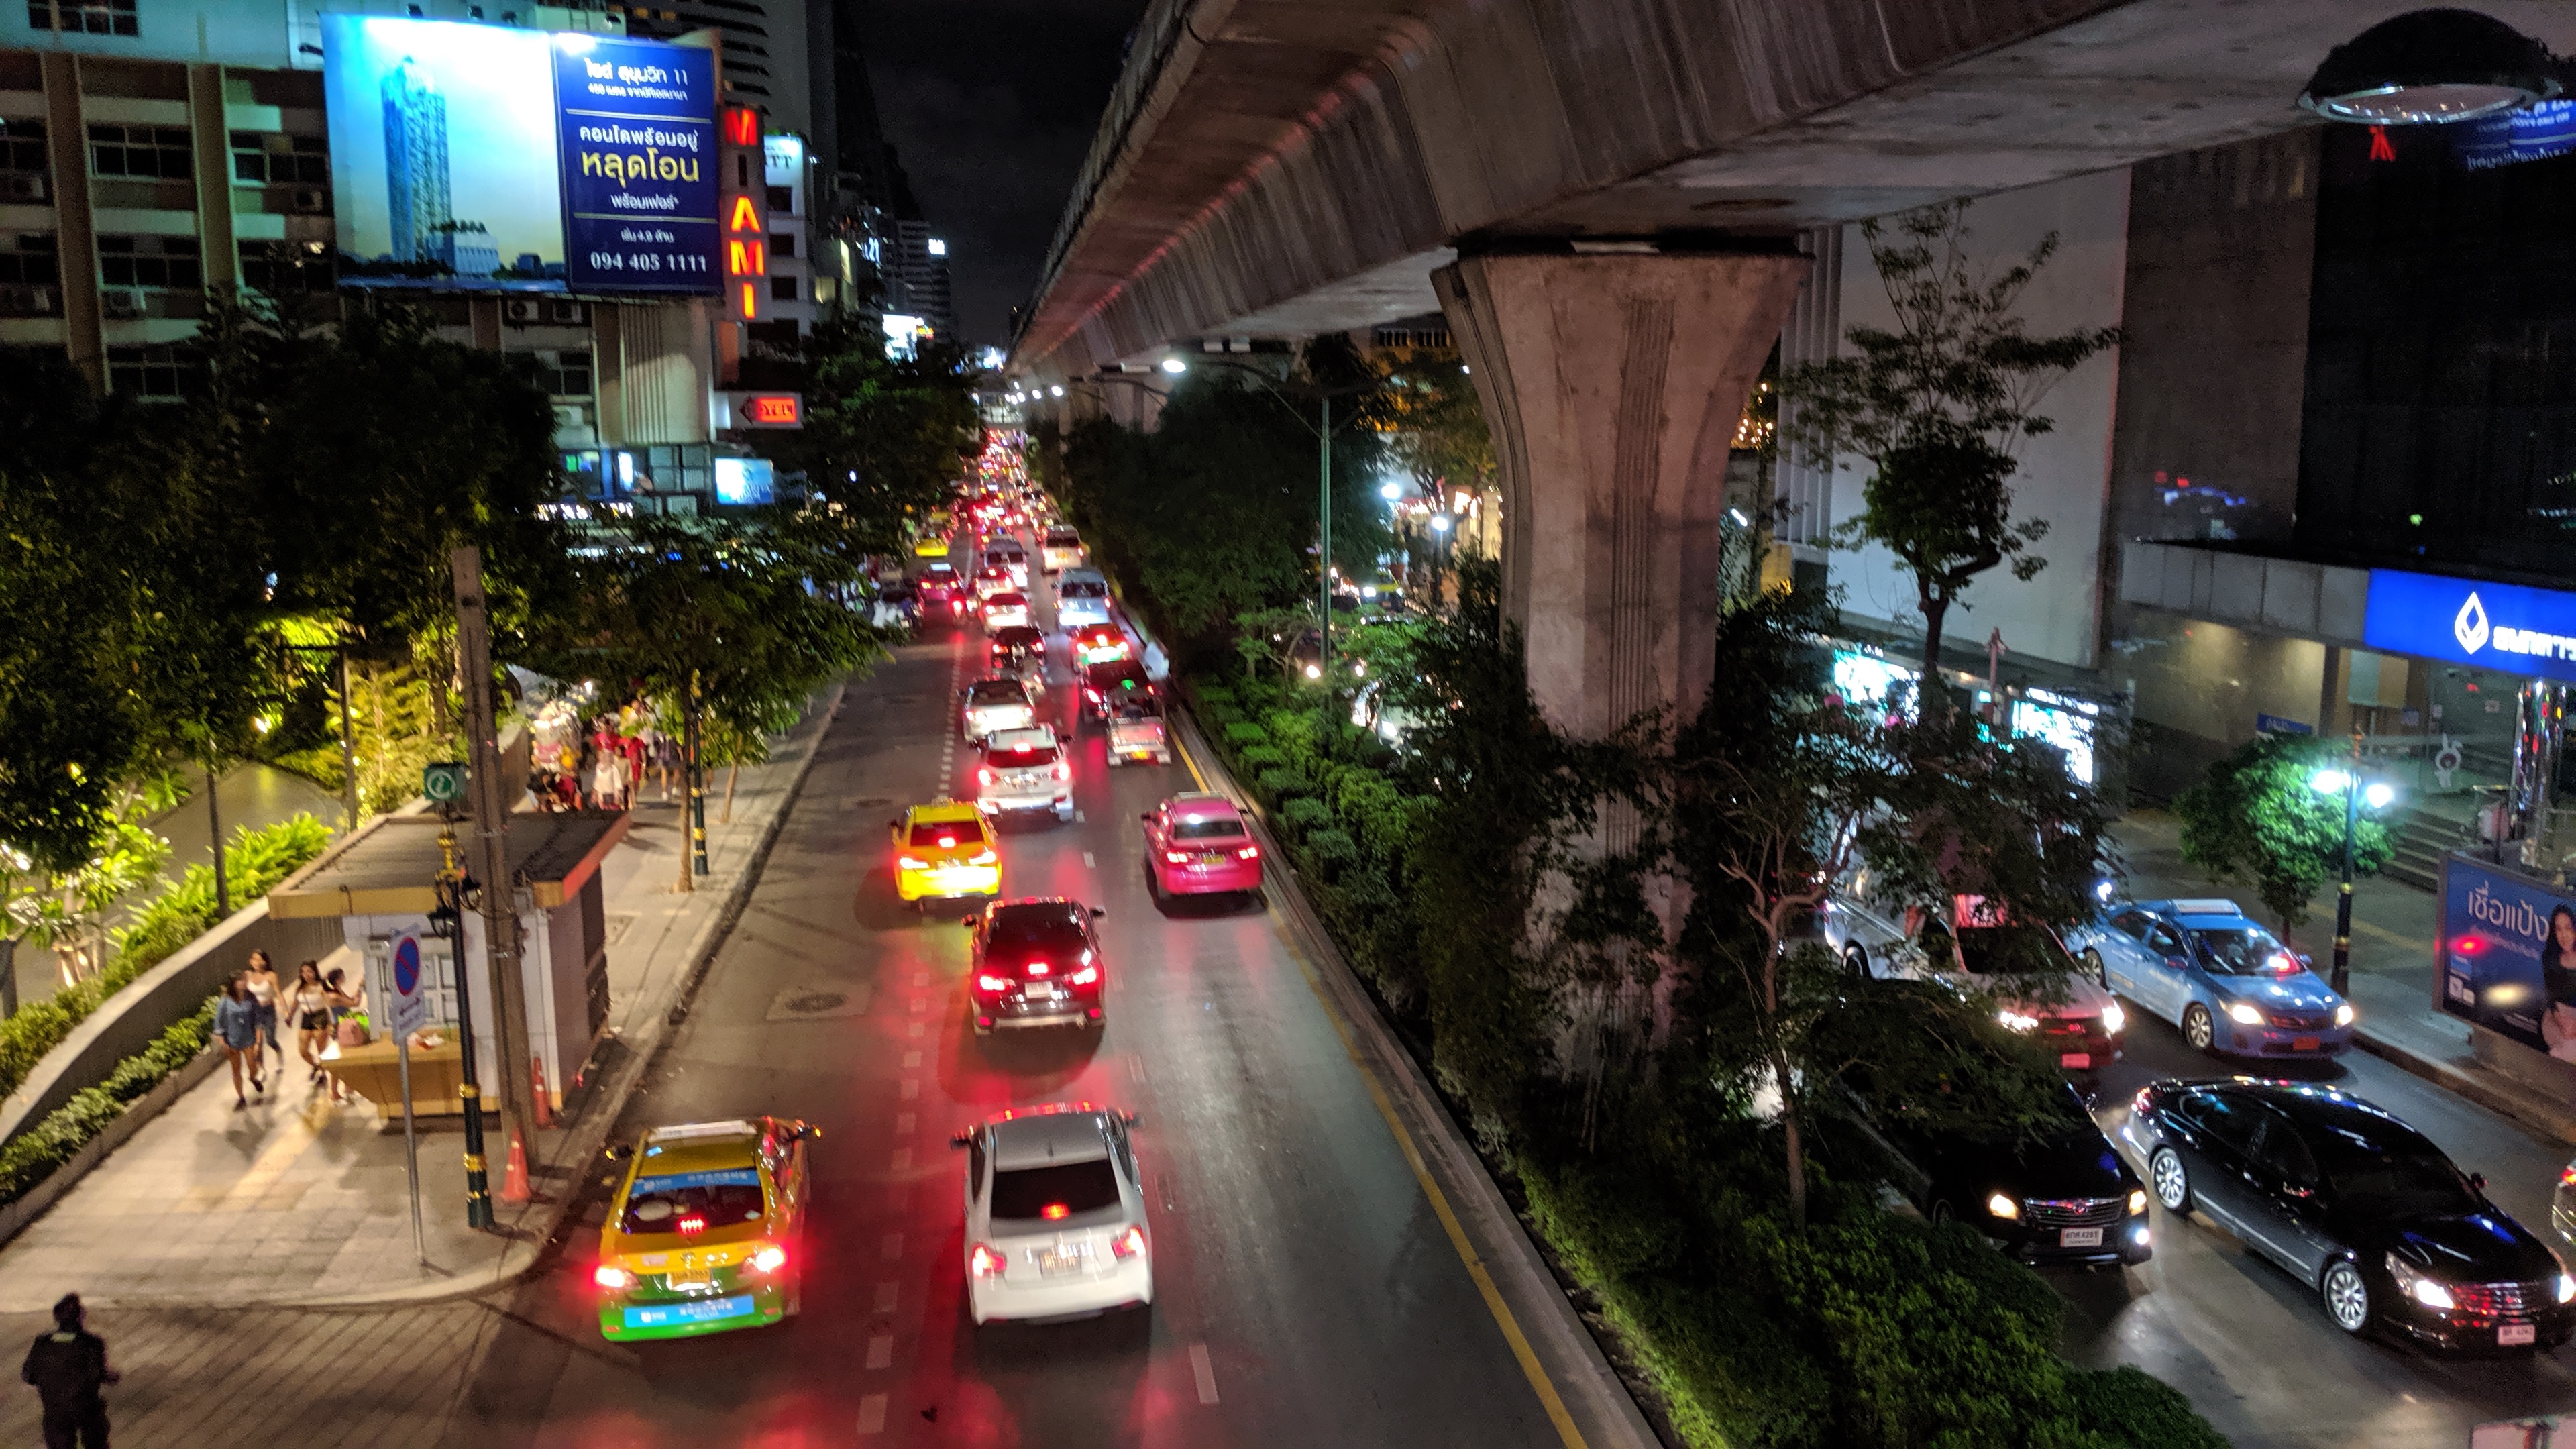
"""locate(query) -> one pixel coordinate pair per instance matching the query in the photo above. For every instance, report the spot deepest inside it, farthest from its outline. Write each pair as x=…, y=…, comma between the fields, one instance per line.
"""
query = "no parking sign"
x=409, y=1004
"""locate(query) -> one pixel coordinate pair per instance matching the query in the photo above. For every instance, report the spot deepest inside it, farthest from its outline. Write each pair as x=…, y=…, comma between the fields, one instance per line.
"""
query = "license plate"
x=2303, y=1044
x=691, y=1280
x=2075, y=1059
x=2079, y=1237
x=1069, y=1260
x=1211, y=860
x=1039, y=991
x=662, y=1315
x=2514, y=1335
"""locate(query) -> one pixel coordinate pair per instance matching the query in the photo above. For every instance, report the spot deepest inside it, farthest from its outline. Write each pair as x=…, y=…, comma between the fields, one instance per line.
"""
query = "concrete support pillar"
x=1613, y=383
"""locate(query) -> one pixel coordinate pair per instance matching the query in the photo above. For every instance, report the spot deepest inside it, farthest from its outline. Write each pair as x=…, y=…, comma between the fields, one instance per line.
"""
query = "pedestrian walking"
x=312, y=1016
x=608, y=779
x=237, y=1027
x=349, y=1023
x=68, y=1367
x=262, y=984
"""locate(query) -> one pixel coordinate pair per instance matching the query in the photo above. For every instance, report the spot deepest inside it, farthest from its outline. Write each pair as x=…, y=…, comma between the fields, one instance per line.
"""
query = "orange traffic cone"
x=514, y=1178
x=545, y=1109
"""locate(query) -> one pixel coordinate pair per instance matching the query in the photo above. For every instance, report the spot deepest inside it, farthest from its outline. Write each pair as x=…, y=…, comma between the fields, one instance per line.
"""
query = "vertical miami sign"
x=637, y=130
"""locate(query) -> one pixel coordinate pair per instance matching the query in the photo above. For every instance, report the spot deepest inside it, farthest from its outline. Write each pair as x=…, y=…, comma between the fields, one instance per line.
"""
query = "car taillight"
x=1054, y=1211
x=2567, y=1175
x=948, y=842
x=990, y=982
x=1129, y=1244
x=1176, y=857
x=984, y=777
x=1063, y=771
x=2139, y=1104
x=908, y=863
x=1249, y=852
x=984, y=1262
x=1085, y=976
x=956, y=606
x=982, y=857
x=692, y=1224
x=769, y=1259
x=1038, y=969
x=608, y=1275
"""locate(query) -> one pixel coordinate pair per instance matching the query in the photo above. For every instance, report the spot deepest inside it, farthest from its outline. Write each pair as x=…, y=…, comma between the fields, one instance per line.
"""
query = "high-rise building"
x=416, y=165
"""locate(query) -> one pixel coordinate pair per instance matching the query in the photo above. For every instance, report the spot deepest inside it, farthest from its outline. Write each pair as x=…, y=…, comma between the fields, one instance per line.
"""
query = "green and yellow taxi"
x=945, y=851
x=933, y=542
x=706, y=1231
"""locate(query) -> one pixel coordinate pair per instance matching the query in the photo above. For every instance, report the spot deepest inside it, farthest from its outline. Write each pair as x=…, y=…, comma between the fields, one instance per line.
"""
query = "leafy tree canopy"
x=2255, y=819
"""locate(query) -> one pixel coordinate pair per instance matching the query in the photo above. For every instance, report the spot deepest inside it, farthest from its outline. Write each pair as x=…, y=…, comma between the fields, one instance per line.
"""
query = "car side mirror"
x=1147, y=817
x=1127, y=1117
x=2306, y=960
x=2478, y=1180
x=968, y=923
x=808, y=1132
x=619, y=1153
x=894, y=825
x=1097, y=913
x=962, y=1139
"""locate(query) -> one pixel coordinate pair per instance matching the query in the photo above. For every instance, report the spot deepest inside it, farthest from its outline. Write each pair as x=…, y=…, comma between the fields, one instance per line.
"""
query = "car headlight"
x=2003, y=1207
x=2566, y=1288
x=2016, y=1021
x=2244, y=1015
x=2343, y=1014
x=2114, y=1020
x=2137, y=1201
x=2415, y=1283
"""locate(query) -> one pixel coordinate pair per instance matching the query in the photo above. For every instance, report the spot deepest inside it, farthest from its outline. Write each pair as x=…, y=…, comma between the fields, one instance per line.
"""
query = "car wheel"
x=2347, y=1296
x=2199, y=1028
x=2172, y=1182
x=1941, y=1211
x=2093, y=963
x=1856, y=961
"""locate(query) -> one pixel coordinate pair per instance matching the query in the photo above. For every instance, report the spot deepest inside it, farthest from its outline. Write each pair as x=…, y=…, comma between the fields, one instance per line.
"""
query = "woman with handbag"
x=349, y=1025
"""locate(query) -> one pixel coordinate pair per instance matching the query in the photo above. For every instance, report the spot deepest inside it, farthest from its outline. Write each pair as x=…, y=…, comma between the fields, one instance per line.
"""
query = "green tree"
x=2254, y=818
x=1937, y=407
x=883, y=436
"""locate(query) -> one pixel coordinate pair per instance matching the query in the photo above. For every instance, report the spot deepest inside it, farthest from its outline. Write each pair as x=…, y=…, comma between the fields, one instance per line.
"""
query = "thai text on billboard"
x=2508, y=955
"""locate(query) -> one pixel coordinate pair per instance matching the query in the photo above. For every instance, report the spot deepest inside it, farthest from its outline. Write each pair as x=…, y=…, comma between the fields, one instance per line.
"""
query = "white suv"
x=1055, y=1214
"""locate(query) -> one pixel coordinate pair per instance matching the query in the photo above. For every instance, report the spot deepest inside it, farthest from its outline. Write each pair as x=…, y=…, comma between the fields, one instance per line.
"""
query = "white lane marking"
x=921, y=1003
x=904, y=1122
x=1079, y=818
x=881, y=1350
x=1136, y=1068
x=1088, y=861
x=893, y=1247
x=921, y=978
x=917, y=1028
x=902, y=1160
x=1201, y=1370
x=912, y=1059
x=911, y=1088
x=887, y=1296
x=872, y=1414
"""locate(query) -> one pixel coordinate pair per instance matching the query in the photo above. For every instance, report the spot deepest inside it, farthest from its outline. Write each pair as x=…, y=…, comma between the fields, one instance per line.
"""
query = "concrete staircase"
x=2422, y=838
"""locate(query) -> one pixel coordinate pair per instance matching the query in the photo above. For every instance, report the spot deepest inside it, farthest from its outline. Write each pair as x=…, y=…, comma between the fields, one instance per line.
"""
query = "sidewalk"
x=2393, y=926
x=295, y=1201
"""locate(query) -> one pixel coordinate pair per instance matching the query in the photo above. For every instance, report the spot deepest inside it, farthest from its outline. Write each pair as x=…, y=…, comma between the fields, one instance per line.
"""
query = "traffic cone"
x=545, y=1109
x=514, y=1178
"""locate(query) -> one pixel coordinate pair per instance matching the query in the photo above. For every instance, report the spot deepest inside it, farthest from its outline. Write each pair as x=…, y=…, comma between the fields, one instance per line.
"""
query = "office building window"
x=83, y=17
x=144, y=152
x=783, y=244
x=782, y=201
x=162, y=372
x=28, y=259
x=149, y=261
x=285, y=268
x=565, y=373
x=22, y=146
x=782, y=289
x=263, y=158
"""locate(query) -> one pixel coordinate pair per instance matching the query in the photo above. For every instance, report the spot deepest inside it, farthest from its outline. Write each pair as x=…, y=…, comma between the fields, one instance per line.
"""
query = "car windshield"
x=1010, y=601
x=1082, y=589
x=2407, y=1177
x=2244, y=951
x=1049, y=931
x=2011, y=951
x=996, y=691
x=1015, y=749
x=1058, y=1190
x=947, y=834
x=692, y=1202
x=1206, y=827
x=1062, y=538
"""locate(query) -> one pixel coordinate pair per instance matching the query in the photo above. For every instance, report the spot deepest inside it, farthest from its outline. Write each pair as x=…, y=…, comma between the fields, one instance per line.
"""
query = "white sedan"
x=1055, y=1215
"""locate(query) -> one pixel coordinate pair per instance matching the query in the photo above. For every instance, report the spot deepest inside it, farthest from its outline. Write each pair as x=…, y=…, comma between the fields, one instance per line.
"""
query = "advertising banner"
x=2505, y=627
x=2508, y=955
x=486, y=158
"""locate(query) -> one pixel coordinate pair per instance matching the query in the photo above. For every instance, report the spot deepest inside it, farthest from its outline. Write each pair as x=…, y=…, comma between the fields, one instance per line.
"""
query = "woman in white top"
x=312, y=1006
x=262, y=984
x=608, y=780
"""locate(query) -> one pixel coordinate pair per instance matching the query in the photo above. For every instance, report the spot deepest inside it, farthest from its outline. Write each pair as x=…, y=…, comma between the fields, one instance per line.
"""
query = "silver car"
x=1024, y=769
x=997, y=702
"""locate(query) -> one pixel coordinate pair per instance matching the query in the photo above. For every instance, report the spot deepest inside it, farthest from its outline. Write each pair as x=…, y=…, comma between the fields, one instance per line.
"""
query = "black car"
x=1014, y=645
x=2359, y=1206
x=1110, y=680
x=1037, y=962
x=2060, y=1195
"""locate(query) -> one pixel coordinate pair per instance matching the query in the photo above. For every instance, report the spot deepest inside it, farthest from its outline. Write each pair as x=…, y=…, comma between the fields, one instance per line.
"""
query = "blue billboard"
x=2506, y=627
x=487, y=158
x=2508, y=955
x=2534, y=132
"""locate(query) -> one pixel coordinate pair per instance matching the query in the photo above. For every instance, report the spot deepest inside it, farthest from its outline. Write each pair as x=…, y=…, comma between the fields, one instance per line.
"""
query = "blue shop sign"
x=2505, y=627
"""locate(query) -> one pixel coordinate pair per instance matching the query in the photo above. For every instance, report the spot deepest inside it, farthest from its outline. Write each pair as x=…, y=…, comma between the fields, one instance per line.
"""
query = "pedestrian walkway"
x=2393, y=927
x=298, y=1201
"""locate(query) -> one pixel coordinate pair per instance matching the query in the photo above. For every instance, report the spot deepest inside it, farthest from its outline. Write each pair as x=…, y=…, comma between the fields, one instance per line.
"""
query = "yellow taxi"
x=943, y=851
x=706, y=1231
x=931, y=545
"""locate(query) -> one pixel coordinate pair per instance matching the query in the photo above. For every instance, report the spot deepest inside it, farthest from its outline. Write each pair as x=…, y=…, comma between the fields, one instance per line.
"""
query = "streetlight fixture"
x=2377, y=794
x=2432, y=67
x=1175, y=366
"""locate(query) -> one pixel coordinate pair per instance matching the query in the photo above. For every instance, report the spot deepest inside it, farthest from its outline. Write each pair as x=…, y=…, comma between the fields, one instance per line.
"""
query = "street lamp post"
x=2378, y=793
x=455, y=892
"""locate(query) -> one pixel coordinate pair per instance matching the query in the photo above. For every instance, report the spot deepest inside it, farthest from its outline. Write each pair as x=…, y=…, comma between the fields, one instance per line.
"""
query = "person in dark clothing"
x=68, y=1367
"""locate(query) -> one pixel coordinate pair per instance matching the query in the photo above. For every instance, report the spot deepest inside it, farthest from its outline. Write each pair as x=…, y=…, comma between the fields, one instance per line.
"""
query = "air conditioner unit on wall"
x=567, y=314
x=520, y=311
x=23, y=189
x=121, y=303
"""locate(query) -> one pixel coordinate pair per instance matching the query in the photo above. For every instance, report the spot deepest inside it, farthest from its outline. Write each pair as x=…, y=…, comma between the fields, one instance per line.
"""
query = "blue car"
x=2205, y=966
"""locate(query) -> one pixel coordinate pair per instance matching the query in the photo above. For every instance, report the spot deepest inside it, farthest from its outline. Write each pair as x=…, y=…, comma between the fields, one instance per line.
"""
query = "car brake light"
x=2567, y=1175
x=692, y=1224
x=1055, y=1210
x=984, y=776
x=948, y=842
x=608, y=1275
x=984, y=1262
x=908, y=863
x=990, y=982
x=769, y=1259
x=1249, y=852
x=1129, y=1244
x=1085, y=976
x=1038, y=968
x=1176, y=857
x=982, y=857
x=1063, y=771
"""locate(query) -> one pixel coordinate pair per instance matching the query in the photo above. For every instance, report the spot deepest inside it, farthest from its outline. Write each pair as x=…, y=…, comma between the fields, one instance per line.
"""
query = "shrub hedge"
x=35, y=1154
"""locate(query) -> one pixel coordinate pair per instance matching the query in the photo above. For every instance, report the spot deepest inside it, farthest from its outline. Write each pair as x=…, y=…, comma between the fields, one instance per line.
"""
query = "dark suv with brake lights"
x=1037, y=962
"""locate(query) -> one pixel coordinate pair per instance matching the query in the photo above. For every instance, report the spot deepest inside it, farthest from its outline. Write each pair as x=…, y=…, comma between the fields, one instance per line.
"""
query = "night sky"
x=991, y=107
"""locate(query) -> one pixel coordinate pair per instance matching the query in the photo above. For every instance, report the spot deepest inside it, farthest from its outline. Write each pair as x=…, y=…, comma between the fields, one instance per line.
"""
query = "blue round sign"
x=406, y=966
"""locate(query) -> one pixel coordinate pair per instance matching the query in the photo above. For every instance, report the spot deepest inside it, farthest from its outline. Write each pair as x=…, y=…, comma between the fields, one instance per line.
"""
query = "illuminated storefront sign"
x=746, y=219
x=2505, y=627
x=771, y=410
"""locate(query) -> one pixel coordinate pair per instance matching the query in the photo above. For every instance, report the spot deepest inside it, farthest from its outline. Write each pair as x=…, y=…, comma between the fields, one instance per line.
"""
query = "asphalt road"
x=1306, y=1292
x=2251, y=1345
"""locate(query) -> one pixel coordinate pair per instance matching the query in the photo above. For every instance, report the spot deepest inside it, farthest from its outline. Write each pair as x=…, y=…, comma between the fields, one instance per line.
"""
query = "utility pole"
x=490, y=796
x=348, y=750
x=1324, y=507
x=696, y=743
x=215, y=827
